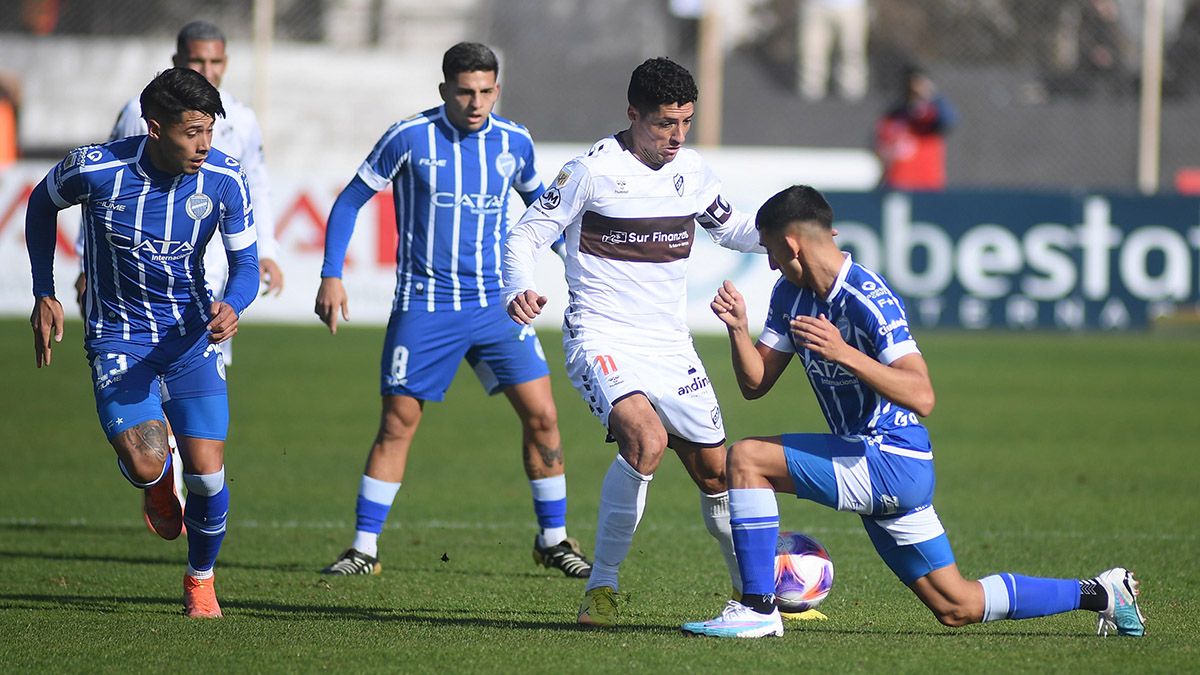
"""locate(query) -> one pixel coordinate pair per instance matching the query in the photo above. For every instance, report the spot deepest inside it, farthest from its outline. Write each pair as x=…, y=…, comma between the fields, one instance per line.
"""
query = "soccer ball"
x=803, y=572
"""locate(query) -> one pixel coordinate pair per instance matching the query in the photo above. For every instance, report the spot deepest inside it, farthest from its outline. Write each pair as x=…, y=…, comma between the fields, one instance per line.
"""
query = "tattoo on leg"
x=148, y=438
x=550, y=456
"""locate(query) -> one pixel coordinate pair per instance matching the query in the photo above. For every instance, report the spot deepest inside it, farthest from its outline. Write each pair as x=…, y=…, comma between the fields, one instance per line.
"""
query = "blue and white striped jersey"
x=872, y=320
x=450, y=191
x=145, y=233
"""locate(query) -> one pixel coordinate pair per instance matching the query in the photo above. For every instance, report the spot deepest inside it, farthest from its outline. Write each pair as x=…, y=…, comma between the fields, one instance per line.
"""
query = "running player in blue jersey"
x=150, y=204
x=450, y=169
x=848, y=329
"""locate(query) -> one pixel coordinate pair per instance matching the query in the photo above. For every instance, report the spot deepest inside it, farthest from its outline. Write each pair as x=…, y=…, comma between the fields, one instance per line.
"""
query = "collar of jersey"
x=462, y=133
x=841, y=278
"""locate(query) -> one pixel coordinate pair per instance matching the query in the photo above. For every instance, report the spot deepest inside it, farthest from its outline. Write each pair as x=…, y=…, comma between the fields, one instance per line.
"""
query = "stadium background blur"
x=1044, y=131
x=1057, y=452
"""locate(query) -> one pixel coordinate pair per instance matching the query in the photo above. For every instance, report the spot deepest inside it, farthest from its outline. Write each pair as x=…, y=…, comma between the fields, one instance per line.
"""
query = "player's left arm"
x=904, y=381
x=728, y=226
x=46, y=320
x=254, y=163
x=241, y=250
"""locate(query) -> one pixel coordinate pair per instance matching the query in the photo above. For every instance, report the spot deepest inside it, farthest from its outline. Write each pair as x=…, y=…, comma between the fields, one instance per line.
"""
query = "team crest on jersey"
x=198, y=206
x=506, y=164
x=843, y=326
x=562, y=178
x=679, y=184
x=550, y=199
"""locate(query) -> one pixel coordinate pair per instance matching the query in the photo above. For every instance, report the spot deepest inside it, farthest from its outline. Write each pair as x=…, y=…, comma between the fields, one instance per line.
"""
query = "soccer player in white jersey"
x=150, y=204
x=629, y=211
x=850, y=332
x=451, y=169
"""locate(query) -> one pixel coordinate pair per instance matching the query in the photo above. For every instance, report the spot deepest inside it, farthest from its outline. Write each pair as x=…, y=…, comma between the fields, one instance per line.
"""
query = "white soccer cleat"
x=1122, y=614
x=738, y=621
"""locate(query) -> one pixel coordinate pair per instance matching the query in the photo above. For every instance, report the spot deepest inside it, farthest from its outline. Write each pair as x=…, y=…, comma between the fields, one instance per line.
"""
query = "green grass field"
x=1057, y=455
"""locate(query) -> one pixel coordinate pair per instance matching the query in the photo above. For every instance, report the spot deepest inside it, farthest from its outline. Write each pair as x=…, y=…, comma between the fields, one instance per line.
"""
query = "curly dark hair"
x=660, y=81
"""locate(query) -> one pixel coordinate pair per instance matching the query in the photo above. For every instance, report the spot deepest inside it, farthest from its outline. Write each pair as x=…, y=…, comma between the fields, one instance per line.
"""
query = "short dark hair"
x=467, y=57
x=177, y=90
x=799, y=203
x=660, y=81
x=195, y=31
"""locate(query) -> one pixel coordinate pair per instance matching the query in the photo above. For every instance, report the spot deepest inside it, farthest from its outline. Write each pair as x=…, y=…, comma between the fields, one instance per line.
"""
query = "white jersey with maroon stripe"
x=629, y=233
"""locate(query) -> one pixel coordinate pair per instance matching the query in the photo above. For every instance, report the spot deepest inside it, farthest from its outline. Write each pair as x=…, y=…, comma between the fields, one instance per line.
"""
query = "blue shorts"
x=133, y=383
x=890, y=487
x=422, y=350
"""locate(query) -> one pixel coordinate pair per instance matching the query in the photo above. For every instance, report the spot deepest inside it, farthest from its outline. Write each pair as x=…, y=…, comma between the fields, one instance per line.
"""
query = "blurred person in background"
x=451, y=169
x=821, y=23
x=10, y=104
x=910, y=137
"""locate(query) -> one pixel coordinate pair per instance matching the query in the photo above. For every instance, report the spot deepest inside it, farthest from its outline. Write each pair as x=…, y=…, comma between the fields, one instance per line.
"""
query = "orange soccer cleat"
x=161, y=507
x=200, y=598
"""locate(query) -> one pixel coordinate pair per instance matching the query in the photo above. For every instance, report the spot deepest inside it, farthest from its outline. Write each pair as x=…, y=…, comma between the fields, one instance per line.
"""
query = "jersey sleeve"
x=255, y=165
x=241, y=242
x=728, y=226
x=386, y=159
x=541, y=225
x=527, y=181
x=129, y=122
x=882, y=313
x=776, y=332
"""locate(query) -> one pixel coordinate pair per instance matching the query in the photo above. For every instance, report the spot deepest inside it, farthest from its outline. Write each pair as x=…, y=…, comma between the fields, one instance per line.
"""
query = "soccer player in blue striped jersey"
x=848, y=329
x=451, y=169
x=150, y=204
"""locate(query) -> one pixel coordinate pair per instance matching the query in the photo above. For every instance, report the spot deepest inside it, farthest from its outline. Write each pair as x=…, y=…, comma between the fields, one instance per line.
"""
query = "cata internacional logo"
x=1027, y=260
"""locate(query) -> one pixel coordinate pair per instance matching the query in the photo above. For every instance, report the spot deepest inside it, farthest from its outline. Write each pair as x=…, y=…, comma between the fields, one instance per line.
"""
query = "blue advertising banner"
x=987, y=259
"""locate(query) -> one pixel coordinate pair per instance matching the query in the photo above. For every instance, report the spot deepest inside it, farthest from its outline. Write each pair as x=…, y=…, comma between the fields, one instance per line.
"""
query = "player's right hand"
x=331, y=298
x=46, y=321
x=526, y=306
x=729, y=305
x=80, y=292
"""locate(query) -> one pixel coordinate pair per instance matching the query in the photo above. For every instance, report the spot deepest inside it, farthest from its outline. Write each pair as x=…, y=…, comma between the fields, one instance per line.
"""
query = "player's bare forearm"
x=271, y=275
x=747, y=362
x=46, y=320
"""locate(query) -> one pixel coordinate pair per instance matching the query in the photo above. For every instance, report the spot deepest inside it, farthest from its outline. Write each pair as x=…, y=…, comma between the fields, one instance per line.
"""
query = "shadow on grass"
x=276, y=611
x=174, y=559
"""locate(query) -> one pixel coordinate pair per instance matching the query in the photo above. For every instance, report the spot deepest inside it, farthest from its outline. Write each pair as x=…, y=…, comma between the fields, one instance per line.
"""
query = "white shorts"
x=675, y=384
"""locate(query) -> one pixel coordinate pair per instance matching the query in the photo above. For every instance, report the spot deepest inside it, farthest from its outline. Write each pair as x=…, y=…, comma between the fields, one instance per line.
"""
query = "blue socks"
x=375, y=499
x=754, y=519
x=204, y=515
x=550, y=507
x=1013, y=596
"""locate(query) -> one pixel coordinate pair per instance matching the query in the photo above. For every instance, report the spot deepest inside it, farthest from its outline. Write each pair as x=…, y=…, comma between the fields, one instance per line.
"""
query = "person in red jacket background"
x=910, y=137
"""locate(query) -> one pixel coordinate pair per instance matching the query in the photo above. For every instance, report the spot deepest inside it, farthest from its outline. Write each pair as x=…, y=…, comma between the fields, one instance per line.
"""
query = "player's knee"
x=742, y=456
x=542, y=421
x=398, y=423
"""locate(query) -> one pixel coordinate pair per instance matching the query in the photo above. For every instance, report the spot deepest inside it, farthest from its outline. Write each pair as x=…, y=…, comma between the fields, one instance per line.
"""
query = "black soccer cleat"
x=353, y=561
x=565, y=556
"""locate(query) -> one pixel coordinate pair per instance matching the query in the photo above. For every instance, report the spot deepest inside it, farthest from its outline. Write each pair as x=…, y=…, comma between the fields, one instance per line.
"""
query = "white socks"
x=622, y=501
x=715, y=510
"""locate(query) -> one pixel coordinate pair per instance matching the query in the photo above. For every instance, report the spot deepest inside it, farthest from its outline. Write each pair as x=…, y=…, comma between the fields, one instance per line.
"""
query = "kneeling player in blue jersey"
x=150, y=204
x=850, y=332
x=450, y=169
